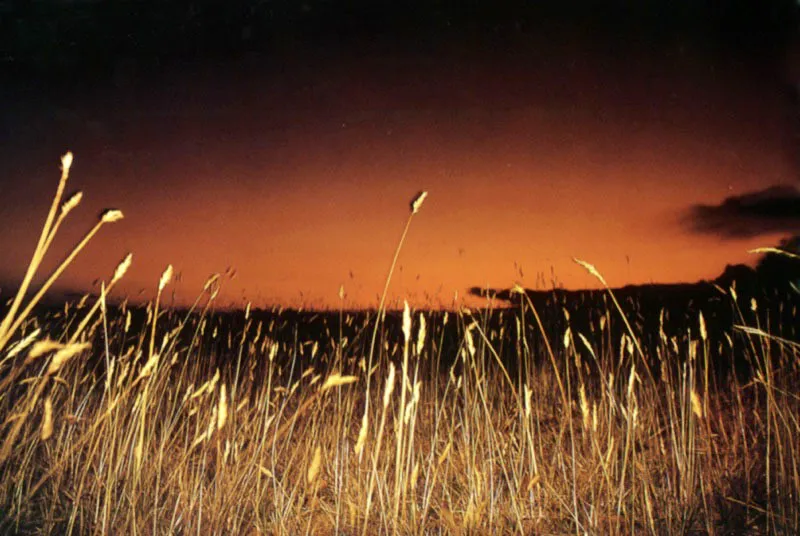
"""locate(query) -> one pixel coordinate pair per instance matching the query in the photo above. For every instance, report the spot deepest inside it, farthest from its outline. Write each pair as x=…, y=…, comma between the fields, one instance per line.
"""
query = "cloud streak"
x=773, y=210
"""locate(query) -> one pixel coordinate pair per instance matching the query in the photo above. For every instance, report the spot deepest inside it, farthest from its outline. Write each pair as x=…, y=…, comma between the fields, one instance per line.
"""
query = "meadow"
x=118, y=419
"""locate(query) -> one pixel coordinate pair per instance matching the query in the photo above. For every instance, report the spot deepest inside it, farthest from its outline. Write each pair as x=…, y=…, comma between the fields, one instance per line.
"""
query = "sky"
x=283, y=142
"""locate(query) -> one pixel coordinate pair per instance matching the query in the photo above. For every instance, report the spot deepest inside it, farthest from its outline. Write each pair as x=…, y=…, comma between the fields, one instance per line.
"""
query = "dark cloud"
x=773, y=210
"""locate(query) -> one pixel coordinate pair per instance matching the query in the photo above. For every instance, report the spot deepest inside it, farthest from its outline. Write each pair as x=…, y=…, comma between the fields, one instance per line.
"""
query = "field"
x=125, y=420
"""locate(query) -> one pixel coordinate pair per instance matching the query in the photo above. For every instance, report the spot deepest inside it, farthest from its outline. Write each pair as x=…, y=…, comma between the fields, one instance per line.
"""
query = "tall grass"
x=183, y=426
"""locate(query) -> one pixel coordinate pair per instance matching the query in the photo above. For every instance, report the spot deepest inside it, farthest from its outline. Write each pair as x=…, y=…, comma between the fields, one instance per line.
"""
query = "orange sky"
x=300, y=175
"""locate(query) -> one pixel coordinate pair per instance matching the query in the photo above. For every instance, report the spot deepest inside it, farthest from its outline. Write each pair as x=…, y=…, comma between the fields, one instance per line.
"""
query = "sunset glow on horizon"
x=297, y=172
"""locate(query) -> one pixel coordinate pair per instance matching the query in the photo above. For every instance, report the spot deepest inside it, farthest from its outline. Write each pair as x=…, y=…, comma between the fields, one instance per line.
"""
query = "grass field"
x=182, y=423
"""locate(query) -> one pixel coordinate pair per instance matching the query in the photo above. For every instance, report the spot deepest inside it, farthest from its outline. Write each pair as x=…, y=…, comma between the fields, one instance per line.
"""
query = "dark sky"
x=657, y=140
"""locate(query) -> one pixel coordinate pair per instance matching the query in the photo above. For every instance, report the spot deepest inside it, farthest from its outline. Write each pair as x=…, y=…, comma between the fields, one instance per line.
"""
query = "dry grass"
x=181, y=428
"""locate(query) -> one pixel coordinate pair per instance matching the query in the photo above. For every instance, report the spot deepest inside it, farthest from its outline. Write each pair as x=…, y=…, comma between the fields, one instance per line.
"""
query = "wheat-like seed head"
x=71, y=203
x=66, y=162
x=212, y=422
x=148, y=367
x=416, y=203
x=266, y=472
x=65, y=354
x=421, y=334
x=19, y=346
x=313, y=469
x=43, y=347
x=47, y=424
x=122, y=267
x=470, y=341
x=110, y=216
x=584, y=407
x=222, y=412
x=138, y=450
x=166, y=277
x=414, y=477
x=335, y=380
x=631, y=380
x=362, y=436
x=591, y=269
x=406, y=322
x=697, y=407
x=445, y=453
x=387, y=393
x=703, y=333
x=212, y=279
x=528, y=394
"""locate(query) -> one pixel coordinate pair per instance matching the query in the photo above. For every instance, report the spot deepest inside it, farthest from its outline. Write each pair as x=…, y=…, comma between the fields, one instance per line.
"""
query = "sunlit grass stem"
x=38, y=254
x=415, y=205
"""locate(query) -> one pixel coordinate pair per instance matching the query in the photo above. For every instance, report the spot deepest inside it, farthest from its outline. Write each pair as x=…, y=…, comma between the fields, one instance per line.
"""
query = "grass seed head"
x=18, y=347
x=421, y=334
x=148, y=367
x=65, y=354
x=528, y=394
x=414, y=477
x=47, y=424
x=387, y=393
x=697, y=406
x=211, y=281
x=138, y=450
x=122, y=268
x=166, y=277
x=703, y=334
x=406, y=322
x=222, y=413
x=591, y=269
x=313, y=469
x=212, y=422
x=335, y=380
x=43, y=347
x=66, y=162
x=110, y=216
x=362, y=436
x=71, y=203
x=584, y=407
x=416, y=203
x=470, y=340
